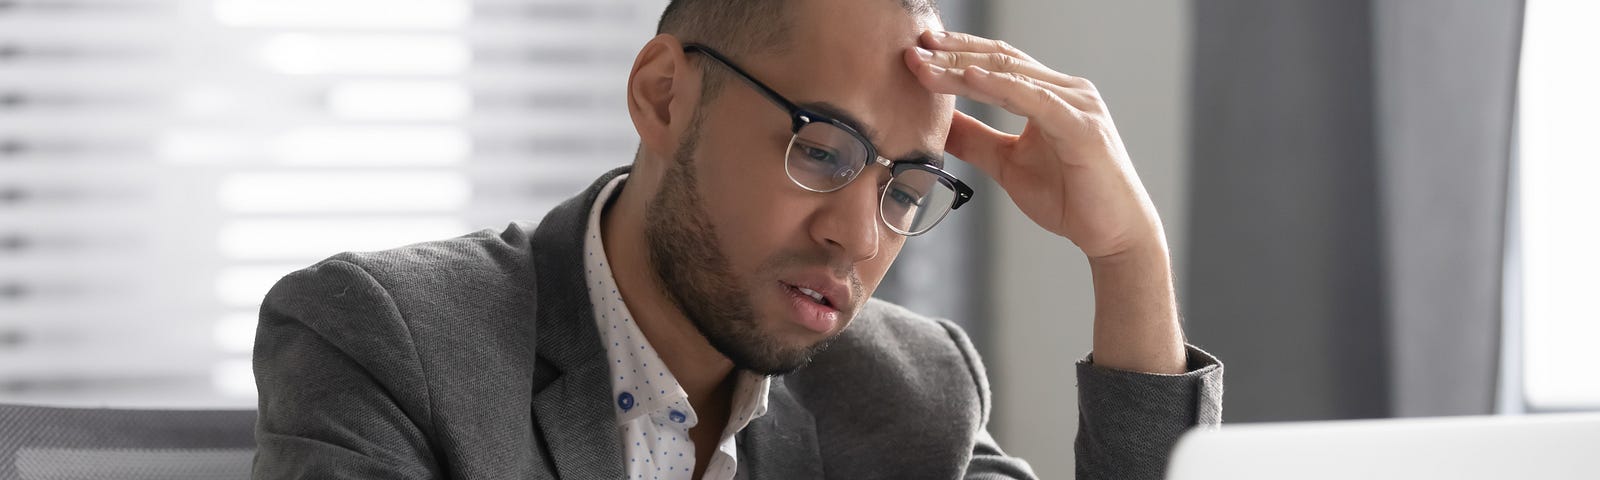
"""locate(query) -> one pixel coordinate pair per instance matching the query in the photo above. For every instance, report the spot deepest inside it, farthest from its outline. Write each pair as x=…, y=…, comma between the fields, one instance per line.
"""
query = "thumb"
x=978, y=144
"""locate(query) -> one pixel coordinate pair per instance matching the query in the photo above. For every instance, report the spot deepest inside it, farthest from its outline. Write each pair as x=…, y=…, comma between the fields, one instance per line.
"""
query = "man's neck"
x=702, y=371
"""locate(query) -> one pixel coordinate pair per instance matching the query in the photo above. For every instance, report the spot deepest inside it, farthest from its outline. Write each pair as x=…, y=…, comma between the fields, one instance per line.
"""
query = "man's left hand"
x=1068, y=171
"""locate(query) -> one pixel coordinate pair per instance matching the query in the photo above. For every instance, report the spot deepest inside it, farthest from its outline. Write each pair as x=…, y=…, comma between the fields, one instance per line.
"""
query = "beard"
x=697, y=277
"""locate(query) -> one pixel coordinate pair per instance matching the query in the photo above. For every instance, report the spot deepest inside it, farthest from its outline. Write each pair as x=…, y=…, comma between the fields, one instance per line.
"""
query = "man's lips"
x=834, y=294
x=808, y=312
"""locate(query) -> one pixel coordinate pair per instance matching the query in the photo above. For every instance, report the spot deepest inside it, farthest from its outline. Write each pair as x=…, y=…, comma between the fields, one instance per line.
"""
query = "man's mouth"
x=815, y=296
x=811, y=308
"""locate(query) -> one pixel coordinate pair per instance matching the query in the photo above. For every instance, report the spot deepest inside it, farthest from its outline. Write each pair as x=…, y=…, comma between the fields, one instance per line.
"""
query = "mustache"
x=840, y=268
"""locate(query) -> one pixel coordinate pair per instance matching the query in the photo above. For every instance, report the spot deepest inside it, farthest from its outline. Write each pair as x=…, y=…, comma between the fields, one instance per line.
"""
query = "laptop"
x=1540, y=446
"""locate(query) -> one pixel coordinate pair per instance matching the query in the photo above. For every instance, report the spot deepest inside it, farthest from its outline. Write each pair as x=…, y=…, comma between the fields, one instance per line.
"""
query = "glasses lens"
x=915, y=200
x=824, y=158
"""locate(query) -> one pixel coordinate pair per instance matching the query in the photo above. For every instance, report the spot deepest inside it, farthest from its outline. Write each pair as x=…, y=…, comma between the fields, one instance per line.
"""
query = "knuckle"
x=1047, y=97
x=1004, y=47
x=1005, y=62
x=958, y=60
x=1020, y=79
x=1098, y=125
x=1089, y=125
x=1089, y=95
x=1094, y=105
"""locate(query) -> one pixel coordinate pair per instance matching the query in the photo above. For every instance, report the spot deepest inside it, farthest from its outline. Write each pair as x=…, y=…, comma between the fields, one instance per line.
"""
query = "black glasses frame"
x=800, y=117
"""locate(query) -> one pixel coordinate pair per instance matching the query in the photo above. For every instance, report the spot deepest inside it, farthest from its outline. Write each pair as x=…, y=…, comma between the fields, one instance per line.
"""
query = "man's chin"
x=778, y=351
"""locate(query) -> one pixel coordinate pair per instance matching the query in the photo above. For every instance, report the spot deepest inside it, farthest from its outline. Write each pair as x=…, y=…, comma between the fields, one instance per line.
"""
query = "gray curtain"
x=1447, y=78
x=1348, y=203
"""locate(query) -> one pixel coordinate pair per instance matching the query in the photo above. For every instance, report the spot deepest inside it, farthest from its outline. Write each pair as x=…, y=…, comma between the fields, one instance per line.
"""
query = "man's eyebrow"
x=840, y=114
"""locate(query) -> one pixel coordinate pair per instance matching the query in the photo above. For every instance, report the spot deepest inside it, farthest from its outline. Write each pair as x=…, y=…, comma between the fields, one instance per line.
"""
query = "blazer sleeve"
x=1129, y=422
x=339, y=380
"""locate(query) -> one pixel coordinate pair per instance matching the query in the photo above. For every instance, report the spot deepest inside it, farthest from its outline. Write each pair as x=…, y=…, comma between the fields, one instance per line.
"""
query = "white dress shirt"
x=653, y=412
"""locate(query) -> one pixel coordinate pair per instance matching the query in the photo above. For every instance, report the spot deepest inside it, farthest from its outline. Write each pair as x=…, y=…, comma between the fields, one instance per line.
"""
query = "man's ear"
x=657, y=93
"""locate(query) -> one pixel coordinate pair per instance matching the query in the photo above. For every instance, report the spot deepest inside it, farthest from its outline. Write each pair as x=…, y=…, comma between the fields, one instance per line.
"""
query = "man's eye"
x=904, y=197
x=818, y=154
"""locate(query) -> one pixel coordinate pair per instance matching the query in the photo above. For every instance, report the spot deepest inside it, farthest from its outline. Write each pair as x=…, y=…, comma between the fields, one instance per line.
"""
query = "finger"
x=976, y=143
x=1085, y=98
x=1016, y=94
x=1082, y=99
x=939, y=79
x=999, y=62
x=942, y=40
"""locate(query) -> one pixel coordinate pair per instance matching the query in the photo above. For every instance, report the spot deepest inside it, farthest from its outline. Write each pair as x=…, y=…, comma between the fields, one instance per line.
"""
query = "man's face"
x=736, y=243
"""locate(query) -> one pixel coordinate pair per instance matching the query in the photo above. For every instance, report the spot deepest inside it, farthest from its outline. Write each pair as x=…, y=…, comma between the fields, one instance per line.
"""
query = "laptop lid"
x=1543, y=446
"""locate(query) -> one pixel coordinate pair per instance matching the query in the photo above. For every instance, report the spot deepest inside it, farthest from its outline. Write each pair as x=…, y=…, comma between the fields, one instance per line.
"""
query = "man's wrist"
x=1136, y=319
x=1151, y=252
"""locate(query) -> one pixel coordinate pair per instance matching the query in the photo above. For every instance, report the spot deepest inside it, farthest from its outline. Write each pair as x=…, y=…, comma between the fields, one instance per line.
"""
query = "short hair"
x=743, y=27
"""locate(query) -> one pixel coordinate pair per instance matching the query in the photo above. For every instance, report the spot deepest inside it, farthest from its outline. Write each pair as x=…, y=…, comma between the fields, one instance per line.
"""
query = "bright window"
x=1559, y=212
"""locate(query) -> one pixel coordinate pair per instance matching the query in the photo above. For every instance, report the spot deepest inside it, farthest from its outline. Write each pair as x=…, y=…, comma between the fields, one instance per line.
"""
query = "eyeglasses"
x=825, y=155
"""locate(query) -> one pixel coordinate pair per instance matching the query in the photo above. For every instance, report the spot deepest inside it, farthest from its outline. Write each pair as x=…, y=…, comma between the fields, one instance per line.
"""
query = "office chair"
x=51, y=443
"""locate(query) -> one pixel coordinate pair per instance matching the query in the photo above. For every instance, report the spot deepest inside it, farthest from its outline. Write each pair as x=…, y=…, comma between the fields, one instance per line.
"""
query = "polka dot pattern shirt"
x=653, y=412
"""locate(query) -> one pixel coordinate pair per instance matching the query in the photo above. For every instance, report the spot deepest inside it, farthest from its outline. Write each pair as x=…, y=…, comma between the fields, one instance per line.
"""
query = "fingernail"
x=977, y=70
x=924, y=54
x=937, y=70
x=940, y=35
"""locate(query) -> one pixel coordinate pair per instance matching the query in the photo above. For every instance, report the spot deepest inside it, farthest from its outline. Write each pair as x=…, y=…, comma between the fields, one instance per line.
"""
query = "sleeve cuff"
x=1198, y=363
x=1128, y=422
x=1195, y=394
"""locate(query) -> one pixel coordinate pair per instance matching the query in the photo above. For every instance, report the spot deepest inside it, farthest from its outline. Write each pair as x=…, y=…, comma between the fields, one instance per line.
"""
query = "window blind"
x=163, y=162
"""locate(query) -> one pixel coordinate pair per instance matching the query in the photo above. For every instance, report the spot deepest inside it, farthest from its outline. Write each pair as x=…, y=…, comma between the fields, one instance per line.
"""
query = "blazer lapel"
x=782, y=443
x=573, y=409
x=575, y=419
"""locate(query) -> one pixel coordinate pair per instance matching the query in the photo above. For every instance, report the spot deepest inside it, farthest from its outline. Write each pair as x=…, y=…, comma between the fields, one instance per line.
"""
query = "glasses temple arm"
x=743, y=75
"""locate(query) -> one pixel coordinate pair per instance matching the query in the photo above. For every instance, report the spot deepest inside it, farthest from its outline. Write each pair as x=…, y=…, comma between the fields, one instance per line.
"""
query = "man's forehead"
x=848, y=63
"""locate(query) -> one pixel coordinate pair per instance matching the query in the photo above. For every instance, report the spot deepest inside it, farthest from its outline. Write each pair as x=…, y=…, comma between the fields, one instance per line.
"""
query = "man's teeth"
x=813, y=294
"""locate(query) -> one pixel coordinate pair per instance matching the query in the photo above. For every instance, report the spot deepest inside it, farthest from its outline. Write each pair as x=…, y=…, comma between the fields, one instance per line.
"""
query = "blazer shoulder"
x=474, y=293
x=884, y=326
x=899, y=385
x=484, y=252
x=434, y=338
x=924, y=364
x=895, y=326
x=483, y=265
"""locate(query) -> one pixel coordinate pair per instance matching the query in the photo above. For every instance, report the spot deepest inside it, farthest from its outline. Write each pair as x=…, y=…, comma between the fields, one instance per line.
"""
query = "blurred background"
x=1377, y=208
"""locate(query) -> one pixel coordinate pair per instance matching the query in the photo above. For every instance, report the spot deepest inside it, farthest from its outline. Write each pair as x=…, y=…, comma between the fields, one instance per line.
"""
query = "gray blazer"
x=478, y=358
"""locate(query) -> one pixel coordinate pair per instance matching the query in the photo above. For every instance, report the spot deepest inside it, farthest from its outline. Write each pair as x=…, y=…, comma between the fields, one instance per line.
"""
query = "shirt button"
x=677, y=416
x=625, y=401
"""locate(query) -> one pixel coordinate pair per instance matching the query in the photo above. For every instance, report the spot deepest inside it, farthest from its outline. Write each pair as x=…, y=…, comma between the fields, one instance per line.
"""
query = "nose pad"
x=845, y=174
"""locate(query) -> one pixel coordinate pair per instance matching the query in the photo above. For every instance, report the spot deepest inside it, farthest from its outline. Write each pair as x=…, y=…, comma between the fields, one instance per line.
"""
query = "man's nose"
x=848, y=222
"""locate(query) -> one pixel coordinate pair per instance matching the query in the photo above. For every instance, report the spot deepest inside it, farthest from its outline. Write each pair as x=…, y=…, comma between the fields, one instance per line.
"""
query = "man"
x=706, y=313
